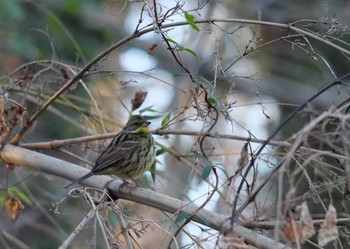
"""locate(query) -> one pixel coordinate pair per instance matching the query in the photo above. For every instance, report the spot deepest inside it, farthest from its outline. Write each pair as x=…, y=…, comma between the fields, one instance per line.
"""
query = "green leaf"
x=147, y=109
x=206, y=171
x=172, y=41
x=166, y=119
x=181, y=216
x=3, y=195
x=181, y=48
x=147, y=117
x=191, y=52
x=161, y=151
x=199, y=81
x=153, y=171
x=20, y=195
x=190, y=19
x=201, y=158
x=208, y=166
x=211, y=101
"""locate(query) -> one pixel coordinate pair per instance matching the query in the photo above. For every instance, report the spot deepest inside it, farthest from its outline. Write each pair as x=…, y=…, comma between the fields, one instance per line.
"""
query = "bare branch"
x=39, y=162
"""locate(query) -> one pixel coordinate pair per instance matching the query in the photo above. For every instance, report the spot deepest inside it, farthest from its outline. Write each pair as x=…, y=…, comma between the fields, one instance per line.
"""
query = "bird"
x=130, y=153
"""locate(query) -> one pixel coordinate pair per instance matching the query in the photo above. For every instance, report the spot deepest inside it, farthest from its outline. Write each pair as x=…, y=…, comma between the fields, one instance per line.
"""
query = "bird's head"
x=138, y=124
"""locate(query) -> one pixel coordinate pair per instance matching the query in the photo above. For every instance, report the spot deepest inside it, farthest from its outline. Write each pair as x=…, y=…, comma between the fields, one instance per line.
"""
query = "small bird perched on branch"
x=130, y=153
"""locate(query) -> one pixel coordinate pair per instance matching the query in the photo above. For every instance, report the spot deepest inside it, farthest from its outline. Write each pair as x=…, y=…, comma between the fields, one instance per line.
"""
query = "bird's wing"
x=114, y=154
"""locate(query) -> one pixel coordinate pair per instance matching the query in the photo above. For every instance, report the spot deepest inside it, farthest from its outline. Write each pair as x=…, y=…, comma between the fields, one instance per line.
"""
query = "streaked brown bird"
x=130, y=153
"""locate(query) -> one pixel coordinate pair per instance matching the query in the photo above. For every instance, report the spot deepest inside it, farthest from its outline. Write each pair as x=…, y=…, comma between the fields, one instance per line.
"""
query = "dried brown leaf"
x=152, y=49
x=14, y=208
x=138, y=100
x=293, y=231
x=299, y=226
x=328, y=231
x=243, y=160
x=308, y=228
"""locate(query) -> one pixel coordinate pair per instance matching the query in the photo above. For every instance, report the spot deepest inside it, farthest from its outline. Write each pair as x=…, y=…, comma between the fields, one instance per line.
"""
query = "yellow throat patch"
x=143, y=129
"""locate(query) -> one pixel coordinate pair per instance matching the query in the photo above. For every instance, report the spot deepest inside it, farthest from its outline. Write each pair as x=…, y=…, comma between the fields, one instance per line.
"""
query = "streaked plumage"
x=129, y=154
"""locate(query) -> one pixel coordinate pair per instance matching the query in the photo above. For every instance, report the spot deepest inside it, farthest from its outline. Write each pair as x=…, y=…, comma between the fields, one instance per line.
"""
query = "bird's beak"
x=145, y=124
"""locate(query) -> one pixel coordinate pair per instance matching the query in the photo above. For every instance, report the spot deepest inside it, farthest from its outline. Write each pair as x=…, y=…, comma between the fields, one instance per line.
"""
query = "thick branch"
x=40, y=162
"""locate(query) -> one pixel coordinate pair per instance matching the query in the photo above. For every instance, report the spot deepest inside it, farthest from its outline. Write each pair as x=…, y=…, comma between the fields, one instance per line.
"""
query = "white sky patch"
x=135, y=59
x=199, y=193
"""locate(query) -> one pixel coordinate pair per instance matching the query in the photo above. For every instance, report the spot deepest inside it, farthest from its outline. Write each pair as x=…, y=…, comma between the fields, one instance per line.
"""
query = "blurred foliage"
x=75, y=31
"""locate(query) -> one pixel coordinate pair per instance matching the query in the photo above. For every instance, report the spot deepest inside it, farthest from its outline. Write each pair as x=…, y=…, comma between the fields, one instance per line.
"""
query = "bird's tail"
x=79, y=179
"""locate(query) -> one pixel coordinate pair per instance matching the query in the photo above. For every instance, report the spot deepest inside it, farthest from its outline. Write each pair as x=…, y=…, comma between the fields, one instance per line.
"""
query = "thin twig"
x=80, y=227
